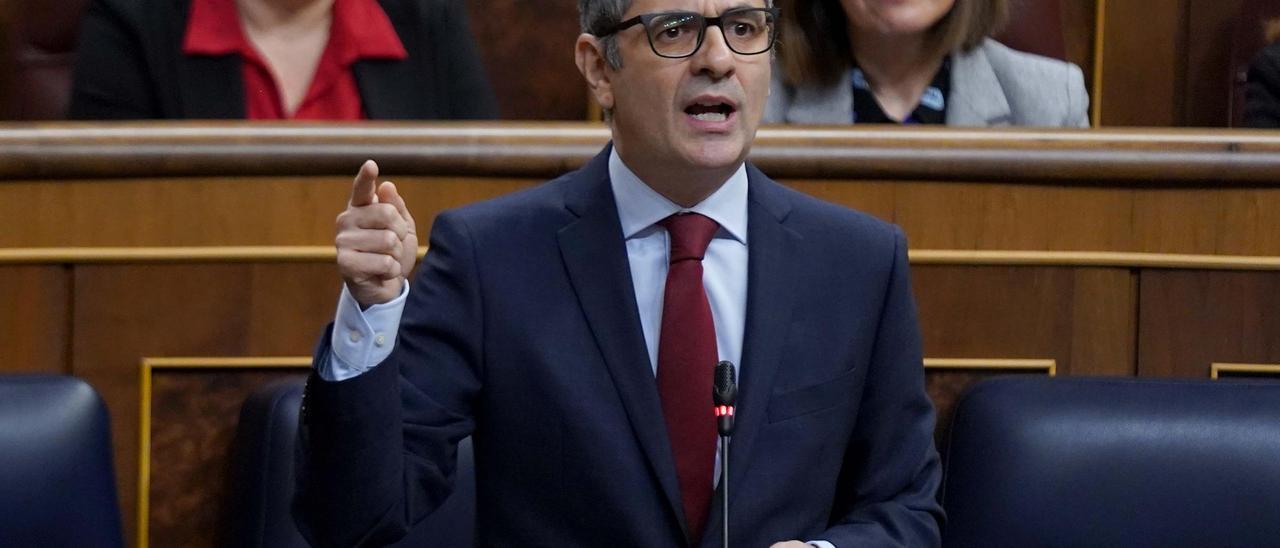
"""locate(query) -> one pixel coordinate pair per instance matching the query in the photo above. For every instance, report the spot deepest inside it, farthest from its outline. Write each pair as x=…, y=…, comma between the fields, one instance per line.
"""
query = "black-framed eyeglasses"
x=679, y=34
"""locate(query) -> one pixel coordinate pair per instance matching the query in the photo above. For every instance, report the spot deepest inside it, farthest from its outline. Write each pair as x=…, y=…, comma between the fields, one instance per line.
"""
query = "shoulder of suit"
x=809, y=214
x=140, y=12
x=153, y=23
x=1024, y=67
x=1268, y=59
x=1040, y=91
x=543, y=201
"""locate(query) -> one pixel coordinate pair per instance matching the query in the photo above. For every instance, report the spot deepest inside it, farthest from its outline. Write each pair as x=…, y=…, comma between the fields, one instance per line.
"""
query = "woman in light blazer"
x=915, y=62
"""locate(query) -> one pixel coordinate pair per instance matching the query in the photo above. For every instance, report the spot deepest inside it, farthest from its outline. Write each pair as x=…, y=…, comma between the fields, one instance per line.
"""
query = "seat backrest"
x=263, y=456
x=1036, y=26
x=57, y=485
x=41, y=50
x=1114, y=462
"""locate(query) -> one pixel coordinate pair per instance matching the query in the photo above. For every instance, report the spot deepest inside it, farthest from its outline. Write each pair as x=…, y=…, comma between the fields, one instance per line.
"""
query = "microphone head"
x=725, y=389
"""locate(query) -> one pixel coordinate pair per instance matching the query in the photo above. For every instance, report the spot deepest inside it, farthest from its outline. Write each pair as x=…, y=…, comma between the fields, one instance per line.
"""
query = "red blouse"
x=360, y=30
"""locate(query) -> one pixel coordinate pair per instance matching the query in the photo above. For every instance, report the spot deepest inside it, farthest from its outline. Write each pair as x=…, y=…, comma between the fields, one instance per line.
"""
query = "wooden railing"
x=1101, y=252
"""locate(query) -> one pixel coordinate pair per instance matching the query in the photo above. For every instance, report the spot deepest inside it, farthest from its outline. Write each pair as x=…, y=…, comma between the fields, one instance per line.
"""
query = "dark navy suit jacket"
x=521, y=330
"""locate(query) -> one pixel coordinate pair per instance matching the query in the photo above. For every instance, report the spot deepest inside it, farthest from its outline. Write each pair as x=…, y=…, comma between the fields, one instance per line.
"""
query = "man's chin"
x=713, y=154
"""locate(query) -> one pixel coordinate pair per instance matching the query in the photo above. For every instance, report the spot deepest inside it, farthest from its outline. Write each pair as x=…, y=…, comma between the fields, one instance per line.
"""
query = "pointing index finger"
x=364, y=189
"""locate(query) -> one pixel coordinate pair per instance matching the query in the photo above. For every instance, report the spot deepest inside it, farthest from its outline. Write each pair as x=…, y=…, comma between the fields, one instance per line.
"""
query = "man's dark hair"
x=597, y=17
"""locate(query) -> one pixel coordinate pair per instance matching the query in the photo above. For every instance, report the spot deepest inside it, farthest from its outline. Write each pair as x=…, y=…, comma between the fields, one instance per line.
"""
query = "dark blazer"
x=1262, y=92
x=130, y=65
x=521, y=330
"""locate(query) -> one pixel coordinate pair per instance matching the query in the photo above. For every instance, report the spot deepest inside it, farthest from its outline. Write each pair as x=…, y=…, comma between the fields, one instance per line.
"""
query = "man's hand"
x=791, y=544
x=376, y=238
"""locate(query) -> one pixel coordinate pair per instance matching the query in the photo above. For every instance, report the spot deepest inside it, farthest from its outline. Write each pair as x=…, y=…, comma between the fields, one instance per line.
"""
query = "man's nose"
x=714, y=57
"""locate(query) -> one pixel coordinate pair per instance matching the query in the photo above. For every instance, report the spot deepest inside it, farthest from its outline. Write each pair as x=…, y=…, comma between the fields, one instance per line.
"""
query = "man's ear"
x=589, y=53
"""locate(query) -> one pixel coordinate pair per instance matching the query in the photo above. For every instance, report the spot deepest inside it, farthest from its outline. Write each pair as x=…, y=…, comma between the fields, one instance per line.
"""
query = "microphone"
x=724, y=394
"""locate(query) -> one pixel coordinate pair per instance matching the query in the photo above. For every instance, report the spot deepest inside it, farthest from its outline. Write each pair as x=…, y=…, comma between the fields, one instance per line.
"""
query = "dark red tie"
x=686, y=359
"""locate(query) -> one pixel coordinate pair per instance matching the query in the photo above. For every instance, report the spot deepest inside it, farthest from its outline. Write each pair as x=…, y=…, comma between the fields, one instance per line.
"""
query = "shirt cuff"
x=361, y=339
x=821, y=544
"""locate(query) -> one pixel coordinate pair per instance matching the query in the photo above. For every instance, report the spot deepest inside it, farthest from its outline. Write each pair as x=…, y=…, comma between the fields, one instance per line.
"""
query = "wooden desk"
x=1076, y=252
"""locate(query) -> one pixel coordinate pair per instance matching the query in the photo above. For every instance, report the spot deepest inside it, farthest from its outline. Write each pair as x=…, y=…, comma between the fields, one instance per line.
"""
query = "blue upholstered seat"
x=57, y=485
x=1114, y=462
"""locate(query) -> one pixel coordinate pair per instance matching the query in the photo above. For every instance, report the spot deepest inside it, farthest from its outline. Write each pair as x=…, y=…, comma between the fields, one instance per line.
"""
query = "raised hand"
x=376, y=238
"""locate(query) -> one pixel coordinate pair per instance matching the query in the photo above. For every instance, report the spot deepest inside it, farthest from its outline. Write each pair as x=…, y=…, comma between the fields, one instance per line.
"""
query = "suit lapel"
x=384, y=91
x=210, y=88
x=770, y=289
x=596, y=259
x=977, y=99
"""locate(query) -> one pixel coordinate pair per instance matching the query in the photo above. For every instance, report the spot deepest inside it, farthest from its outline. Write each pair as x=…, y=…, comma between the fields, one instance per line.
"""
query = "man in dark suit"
x=571, y=331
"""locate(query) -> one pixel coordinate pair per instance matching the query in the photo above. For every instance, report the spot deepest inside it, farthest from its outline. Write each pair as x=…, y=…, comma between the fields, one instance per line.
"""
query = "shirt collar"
x=360, y=30
x=641, y=207
x=213, y=28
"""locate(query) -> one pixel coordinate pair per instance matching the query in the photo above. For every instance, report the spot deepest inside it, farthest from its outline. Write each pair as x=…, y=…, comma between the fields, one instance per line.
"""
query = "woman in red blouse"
x=278, y=59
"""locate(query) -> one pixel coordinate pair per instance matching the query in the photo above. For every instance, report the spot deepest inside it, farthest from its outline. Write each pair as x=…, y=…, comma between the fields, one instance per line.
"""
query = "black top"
x=1262, y=93
x=130, y=66
x=931, y=110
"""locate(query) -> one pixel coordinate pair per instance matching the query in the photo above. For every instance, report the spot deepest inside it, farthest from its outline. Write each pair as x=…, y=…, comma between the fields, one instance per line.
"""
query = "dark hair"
x=814, y=41
x=596, y=17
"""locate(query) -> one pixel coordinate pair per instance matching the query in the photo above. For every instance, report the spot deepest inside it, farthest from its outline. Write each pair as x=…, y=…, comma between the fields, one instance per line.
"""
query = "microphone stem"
x=724, y=486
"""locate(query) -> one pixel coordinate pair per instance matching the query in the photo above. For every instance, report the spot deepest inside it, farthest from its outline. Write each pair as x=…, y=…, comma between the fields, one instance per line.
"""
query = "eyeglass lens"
x=747, y=32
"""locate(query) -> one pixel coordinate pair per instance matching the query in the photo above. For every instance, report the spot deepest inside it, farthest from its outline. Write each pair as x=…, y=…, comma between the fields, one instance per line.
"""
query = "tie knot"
x=691, y=233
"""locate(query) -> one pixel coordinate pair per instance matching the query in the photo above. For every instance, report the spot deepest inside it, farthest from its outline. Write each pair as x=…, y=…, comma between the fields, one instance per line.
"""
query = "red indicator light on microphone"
x=724, y=411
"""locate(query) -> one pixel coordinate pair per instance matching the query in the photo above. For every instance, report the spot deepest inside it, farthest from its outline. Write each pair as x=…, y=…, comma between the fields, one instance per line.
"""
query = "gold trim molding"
x=1093, y=258
x=1048, y=366
x=1217, y=369
x=1099, y=54
x=325, y=253
x=148, y=367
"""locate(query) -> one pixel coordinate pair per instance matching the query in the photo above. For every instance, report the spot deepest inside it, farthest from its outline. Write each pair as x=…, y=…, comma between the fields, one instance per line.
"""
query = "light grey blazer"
x=992, y=85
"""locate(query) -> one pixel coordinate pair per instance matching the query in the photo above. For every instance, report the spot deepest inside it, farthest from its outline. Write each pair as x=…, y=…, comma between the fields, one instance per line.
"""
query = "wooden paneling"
x=211, y=210
x=527, y=48
x=1082, y=318
x=1143, y=65
x=1104, y=308
x=936, y=215
x=1209, y=220
x=35, y=309
x=1168, y=63
x=1079, y=24
x=986, y=216
x=1191, y=319
x=126, y=312
x=193, y=421
x=1210, y=26
x=1163, y=192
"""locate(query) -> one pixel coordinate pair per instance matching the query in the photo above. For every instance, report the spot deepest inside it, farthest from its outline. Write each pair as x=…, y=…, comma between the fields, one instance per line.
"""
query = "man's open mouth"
x=710, y=112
